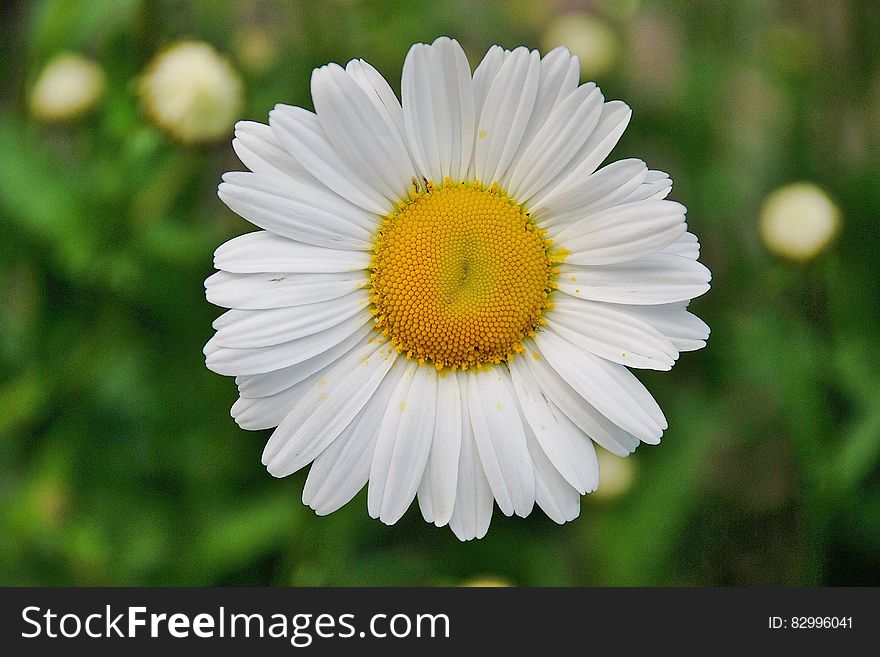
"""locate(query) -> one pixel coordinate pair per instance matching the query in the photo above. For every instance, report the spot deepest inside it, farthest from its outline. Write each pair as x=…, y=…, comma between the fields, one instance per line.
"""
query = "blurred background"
x=119, y=463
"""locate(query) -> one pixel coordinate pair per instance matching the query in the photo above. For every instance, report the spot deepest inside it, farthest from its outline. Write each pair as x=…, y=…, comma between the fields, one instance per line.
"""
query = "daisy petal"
x=560, y=73
x=505, y=114
x=623, y=232
x=425, y=496
x=403, y=445
x=686, y=246
x=247, y=329
x=278, y=290
x=438, y=109
x=485, y=74
x=442, y=470
x=243, y=362
x=612, y=334
x=300, y=132
x=270, y=383
x=378, y=91
x=342, y=470
x=569, y=450
x=314, y=218
x=603, y=189
x=424, y=131
x=566, y=129
x=328, y=461
x=311, y=202
x=608, y=387
x=684, y=330
x=259, y=150
x=501, y=441
x=473, y=496
x=263, y=251
x=362, y=136
x=327, y=407
x=657, y=185
x=267, y=412
x=565, y=400
x=553, y=493
x=654, y=279
x=613, y=121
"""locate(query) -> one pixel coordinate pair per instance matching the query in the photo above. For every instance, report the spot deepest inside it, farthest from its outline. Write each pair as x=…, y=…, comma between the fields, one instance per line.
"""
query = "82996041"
x=810, y=622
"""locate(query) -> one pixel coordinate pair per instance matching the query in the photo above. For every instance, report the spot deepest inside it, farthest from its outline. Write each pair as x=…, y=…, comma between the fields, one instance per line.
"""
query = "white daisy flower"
x=447, y=293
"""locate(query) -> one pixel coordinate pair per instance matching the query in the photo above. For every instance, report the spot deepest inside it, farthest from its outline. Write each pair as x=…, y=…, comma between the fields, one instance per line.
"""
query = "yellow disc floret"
x=460, y=276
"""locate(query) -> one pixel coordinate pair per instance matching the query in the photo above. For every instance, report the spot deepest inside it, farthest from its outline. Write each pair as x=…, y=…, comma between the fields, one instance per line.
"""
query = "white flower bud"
x=67, y=88
x=590, y=38
x=798, y=221
x=192, y=92
x=486, y=581
x=616, y=475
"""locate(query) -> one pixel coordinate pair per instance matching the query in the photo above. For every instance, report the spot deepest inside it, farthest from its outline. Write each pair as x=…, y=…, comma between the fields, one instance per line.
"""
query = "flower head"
x=192, y=92
x=66, y=88
x=588, y=37
x=617, y=475
x=798, y=221
x=446, y=294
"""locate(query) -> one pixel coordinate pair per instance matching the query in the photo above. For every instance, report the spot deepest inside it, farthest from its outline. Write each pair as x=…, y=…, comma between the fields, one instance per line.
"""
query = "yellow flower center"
x=460, y=276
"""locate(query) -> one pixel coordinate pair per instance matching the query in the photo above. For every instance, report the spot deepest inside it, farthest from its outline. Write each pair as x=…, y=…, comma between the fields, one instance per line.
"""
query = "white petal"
x=270, y=383
x=328, y=462
x=611, y=334
x=438, y=108
x=686, y=246
x=263, y=251
x=657, y=185
x=559, y=76
x=327, y=407
x=403, y=445
x=378, y=91
x=441, y=475
x=301, y=134
x=603, y=189
x=654, y=279
x=568, y=448
x=267, y=412
x=310, y=216
x=248, y=329
x=279, y=290
x=613, y=121
x=553, y=493
x=566, y=401
x=424, y=131
x=425, y=496
x=313, y=203
x=260, y=151
x=621, y=233
x=684, y=330
x=473, y=496
x=485, y=74
x=243, y=362
x=341, y=470
x=505, y=114
x=501, y=441
x=610, y=388
x=211, y=347
x=363, y=137
x=566, y=129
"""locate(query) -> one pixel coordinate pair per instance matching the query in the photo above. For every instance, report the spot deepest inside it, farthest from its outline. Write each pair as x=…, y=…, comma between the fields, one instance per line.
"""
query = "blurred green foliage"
x=119, y=463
